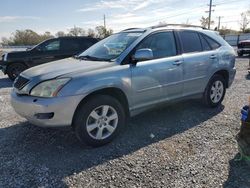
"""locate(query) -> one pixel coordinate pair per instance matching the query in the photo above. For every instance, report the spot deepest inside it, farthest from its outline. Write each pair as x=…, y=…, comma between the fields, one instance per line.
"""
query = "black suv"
x=243, y=48
x=14, y=63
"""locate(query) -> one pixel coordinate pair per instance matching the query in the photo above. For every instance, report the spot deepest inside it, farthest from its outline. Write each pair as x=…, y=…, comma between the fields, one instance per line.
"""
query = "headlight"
x=5, y=57
x=49, y=88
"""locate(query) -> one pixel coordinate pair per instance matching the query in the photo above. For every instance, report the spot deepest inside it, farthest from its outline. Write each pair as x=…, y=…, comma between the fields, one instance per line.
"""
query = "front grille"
x=20, y=82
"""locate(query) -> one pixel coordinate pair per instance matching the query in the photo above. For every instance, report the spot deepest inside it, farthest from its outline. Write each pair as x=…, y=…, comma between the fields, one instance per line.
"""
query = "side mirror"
x=38, y=48
x=143, y=54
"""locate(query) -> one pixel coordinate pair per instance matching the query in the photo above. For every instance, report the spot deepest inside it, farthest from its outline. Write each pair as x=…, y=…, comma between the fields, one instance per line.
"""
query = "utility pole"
x=219, y=18
x=209, y=13
x=104, y=21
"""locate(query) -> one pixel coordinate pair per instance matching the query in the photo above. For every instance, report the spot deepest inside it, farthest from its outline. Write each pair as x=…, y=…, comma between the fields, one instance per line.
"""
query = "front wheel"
x=215, y=91
x=15, y=69
x=99, y=120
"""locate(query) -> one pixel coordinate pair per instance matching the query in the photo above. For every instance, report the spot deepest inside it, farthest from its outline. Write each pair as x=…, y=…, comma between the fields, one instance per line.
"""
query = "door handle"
x=177, y=62
x=212, y=56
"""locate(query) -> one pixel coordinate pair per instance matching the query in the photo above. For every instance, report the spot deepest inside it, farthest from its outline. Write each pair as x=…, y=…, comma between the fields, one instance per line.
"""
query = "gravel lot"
x=181, y=145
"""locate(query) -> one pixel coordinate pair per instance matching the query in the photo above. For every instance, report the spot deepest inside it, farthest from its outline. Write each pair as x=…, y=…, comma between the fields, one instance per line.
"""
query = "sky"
x=60, y=15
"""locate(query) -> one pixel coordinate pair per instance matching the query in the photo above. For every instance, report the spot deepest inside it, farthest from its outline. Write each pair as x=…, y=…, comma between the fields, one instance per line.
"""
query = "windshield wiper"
x=92, y=58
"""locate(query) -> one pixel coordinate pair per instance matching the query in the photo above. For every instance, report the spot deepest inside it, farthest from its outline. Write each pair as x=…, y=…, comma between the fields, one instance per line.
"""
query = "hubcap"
x=102, y=122
x=216, y=92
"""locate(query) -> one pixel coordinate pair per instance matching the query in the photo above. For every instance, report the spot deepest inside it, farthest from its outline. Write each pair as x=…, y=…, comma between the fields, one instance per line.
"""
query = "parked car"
x=100, y=90
x=14, y=63
x=243, y=48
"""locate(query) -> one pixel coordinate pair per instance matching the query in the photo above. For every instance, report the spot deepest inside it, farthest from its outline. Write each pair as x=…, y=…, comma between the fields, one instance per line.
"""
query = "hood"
x=17, y=54
x=66, y=67
x=244, y=41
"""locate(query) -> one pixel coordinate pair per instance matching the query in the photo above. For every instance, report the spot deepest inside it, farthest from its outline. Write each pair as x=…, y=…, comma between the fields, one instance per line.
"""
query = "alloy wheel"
x=102, y=122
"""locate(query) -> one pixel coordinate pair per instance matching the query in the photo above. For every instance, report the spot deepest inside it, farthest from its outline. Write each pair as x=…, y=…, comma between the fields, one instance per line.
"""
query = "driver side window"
x=51, y=45
x=162, y=44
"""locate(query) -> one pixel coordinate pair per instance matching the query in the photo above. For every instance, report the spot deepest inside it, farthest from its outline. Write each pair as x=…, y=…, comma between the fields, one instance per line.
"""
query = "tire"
x=215, y=91
x=15, y=69
x=95, y=115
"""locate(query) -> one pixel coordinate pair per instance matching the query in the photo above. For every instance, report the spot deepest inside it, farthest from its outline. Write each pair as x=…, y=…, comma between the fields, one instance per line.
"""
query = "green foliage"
x=29, y=37
x=224, y=30
x=25, y=37
x=245, y=21
x=76, y=31
x=103, y=32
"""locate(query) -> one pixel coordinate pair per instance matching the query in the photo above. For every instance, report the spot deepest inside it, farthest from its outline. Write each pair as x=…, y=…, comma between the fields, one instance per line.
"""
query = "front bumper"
x=243, y=50
x=232, y=74
x=38, y=111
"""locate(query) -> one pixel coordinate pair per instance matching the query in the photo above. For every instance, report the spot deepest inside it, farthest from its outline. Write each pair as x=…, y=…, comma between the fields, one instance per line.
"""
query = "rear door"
x=198, y=58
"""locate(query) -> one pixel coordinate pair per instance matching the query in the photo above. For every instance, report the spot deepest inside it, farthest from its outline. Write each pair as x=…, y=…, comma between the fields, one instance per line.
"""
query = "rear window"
x=190, y=41
x=212, y=43
x=205, y=44
x=86, y=43
x=76, y=44
x=71, y=45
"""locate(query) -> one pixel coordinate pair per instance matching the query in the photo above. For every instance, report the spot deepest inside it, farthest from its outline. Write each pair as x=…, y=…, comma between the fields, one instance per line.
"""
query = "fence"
x=233, y=39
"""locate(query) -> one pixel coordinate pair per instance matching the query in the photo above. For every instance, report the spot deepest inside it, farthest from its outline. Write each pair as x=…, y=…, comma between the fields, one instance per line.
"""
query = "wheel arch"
x=225, y=74
x=111, y=91
x=14, y=62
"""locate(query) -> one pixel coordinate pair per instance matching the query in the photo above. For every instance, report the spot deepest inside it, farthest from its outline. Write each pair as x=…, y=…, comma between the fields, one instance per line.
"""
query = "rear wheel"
x=99, y=120
x=15, y=69
x=215, y=91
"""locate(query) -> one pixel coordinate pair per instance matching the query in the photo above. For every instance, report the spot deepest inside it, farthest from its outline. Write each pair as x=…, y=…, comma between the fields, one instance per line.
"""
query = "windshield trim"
x=102, y=42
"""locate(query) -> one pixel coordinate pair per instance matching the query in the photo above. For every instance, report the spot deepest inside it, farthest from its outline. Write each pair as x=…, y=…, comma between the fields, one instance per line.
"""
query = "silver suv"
x=123, y=75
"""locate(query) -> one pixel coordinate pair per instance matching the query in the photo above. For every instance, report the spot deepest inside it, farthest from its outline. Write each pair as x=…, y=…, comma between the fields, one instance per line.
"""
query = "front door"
x=46, y=52
x=159, y=79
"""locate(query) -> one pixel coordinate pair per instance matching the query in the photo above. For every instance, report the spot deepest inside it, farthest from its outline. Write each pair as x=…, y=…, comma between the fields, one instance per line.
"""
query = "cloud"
x=5, y=19
x=119, y=4
x=143, y=4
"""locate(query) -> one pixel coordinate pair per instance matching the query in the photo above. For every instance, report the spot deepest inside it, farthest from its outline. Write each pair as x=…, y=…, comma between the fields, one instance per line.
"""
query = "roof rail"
x=130, y=29
x=182, y=25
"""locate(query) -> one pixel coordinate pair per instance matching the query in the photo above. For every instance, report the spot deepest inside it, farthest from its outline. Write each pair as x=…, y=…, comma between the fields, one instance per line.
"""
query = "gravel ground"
x=181, y=145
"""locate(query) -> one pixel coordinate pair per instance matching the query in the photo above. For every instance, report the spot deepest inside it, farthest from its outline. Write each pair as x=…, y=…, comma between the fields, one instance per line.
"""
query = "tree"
x=204, y=22
x=245, y=20
x=224, y=30
x=46, y=35
x=6, y=41
x=60, y=34
x=26, y=37
x=91, y=33
x=76, y=31
x=103, y=32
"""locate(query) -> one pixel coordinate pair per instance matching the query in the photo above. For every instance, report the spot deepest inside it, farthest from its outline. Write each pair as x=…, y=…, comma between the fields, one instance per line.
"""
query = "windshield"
x=111, y=47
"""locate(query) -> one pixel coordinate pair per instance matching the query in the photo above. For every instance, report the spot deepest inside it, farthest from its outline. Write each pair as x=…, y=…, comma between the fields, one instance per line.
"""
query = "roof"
x=167, y=26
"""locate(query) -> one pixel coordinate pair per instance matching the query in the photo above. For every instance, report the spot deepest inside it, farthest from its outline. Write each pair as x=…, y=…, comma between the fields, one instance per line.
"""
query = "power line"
x=228, y=2
x=191, y=10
